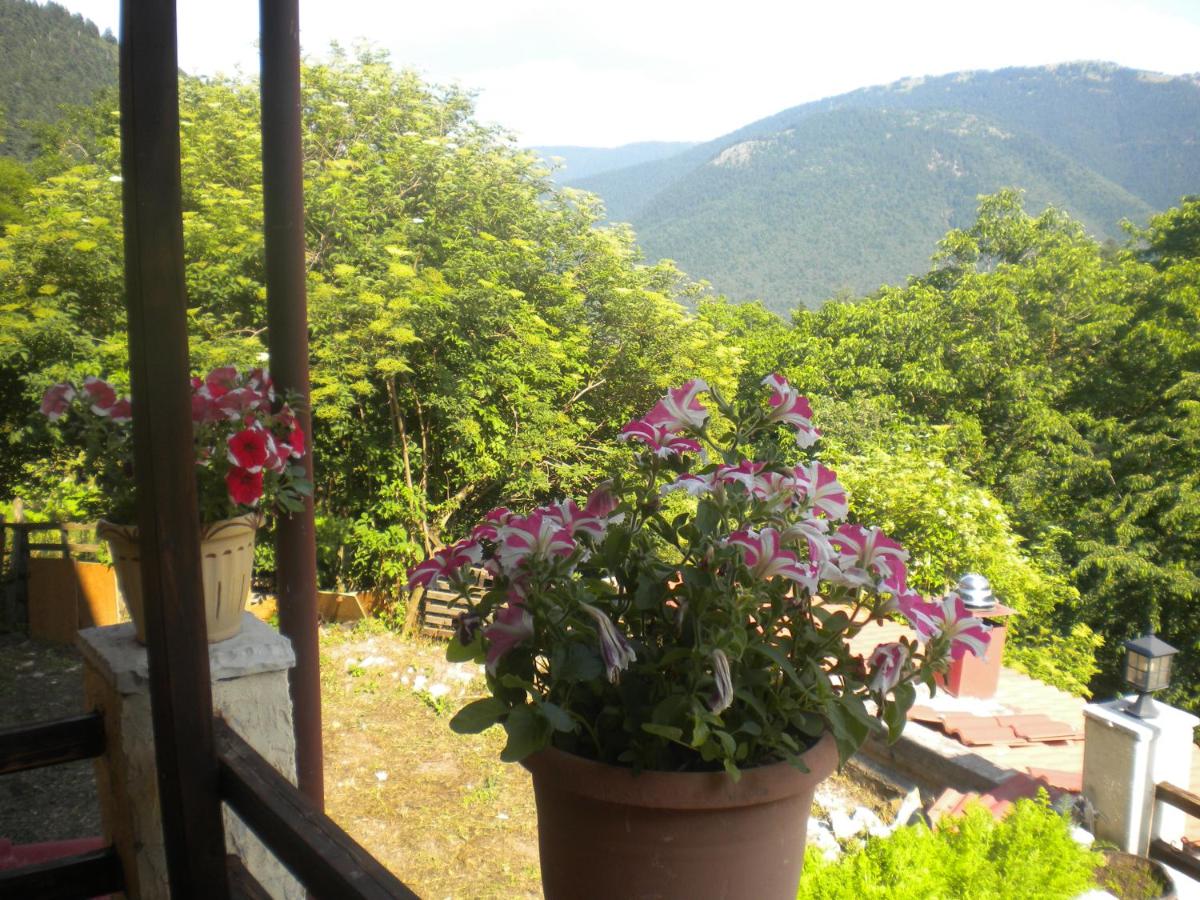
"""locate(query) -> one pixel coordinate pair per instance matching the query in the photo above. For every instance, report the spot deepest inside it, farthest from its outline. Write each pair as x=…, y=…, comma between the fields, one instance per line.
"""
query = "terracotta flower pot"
x=226, y=560
x=604, y=832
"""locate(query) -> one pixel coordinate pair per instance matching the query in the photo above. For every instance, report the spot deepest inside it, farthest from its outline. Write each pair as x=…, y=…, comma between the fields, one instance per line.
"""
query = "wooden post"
x=287, y=327
x=164, y=463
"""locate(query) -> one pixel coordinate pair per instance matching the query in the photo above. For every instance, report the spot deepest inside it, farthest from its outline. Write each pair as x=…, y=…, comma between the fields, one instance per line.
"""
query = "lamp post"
x=1147, y=669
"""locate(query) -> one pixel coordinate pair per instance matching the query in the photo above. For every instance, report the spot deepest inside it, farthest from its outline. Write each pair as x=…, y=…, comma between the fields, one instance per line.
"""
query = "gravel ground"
x=41, y=681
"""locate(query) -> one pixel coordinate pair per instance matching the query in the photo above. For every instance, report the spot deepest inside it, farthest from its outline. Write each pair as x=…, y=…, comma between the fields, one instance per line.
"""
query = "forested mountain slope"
x=850, y=192
x=50, y=57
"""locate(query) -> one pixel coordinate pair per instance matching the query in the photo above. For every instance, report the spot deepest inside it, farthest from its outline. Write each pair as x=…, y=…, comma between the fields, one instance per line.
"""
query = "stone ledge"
x=115, y=653
x=934, y=761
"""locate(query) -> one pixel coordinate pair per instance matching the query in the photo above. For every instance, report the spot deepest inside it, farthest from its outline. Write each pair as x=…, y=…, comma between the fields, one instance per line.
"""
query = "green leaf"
x=776, y=656
x=457, y=652
x=708, y=517
x=575, y=662
x=670, y=732
x=527, y=733
x=475, y=717
x=559, y=718
x=895, y=712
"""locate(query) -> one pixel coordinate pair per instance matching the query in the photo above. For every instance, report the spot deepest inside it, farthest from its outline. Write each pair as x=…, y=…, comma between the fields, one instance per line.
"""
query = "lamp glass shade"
x=1148, y=663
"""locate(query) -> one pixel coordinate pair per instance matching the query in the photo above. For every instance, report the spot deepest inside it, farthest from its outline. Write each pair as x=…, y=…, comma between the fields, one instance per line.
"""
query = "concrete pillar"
x=1124, y=757
x=250, y=688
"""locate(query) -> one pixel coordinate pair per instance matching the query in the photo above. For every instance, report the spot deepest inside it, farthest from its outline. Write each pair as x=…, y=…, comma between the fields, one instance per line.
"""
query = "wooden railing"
x=44, y=744
x=1160, y=850
x=322, y=857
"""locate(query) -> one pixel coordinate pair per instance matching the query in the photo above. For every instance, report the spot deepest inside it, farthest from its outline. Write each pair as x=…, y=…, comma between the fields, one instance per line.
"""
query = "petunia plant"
x=248, y=442
x=714, y=636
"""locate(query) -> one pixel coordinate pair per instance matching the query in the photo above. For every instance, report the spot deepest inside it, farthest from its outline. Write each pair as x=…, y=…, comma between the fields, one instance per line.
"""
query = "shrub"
x=1029, y=854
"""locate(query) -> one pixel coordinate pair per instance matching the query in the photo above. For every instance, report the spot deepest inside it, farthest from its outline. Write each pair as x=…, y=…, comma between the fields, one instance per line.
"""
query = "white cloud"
x=604, y=74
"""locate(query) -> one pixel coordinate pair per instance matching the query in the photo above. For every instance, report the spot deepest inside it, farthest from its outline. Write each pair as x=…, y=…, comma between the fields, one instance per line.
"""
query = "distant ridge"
x=850, y=192
x=574, y=163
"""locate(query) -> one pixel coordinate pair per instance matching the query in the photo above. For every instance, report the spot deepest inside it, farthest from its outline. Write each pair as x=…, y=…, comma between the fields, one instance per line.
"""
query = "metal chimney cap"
x=976, y=591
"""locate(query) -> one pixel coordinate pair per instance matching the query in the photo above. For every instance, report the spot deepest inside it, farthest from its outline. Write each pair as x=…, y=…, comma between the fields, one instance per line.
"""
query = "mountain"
x=850, y=192
x=50, y=57
x=584, y=162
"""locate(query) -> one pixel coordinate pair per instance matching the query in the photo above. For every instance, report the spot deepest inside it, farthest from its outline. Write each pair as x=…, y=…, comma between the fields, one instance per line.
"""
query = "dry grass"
x=438, y=809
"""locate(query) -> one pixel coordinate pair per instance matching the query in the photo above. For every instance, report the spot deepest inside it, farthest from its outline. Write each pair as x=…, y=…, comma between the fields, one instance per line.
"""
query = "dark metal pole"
x=164, y=460
x=287, y=325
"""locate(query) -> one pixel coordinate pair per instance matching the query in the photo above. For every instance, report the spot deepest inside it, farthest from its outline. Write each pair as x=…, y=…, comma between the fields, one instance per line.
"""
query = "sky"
x=610, y=72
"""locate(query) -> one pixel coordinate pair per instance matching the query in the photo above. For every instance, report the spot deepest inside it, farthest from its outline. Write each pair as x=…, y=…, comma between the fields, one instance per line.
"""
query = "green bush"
x=1030, y=854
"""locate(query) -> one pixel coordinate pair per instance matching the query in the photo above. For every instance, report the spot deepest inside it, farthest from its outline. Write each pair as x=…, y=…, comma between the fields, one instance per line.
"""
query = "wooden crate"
x=440, y=605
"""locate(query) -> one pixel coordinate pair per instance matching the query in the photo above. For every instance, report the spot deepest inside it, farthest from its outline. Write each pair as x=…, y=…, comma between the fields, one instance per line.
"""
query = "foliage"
x=248, y=442
x=839, y=196
x=951, y=526
x=473, y=333
x=51, y=58
x=715, y=638
x=1030, y=853
x=1054, y=377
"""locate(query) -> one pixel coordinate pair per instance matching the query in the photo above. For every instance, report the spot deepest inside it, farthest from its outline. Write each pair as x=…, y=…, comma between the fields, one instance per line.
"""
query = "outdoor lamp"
x=976, y=591
x=1147, y=669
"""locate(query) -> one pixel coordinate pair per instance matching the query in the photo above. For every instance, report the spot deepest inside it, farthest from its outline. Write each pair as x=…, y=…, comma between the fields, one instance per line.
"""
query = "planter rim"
x=599, y=781
x=222, y=528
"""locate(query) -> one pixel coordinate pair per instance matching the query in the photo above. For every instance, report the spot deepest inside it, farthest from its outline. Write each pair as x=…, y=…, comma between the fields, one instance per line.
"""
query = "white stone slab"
x=114, y=651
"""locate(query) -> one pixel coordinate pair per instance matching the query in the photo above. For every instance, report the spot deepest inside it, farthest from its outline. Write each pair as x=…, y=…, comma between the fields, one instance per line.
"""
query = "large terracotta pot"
x=604, y=832
x=226, y=560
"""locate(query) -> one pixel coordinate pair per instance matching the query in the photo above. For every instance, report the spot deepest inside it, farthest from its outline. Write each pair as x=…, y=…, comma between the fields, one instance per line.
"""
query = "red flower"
x=121, y=411
x=245, y=488
x=102, y=395
x=296, y=442
x=57, y=400
x=248, y=450
x=220, y=381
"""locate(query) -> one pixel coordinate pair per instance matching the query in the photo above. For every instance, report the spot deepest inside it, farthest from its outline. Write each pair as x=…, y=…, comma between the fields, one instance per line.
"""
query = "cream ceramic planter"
x=226, y=561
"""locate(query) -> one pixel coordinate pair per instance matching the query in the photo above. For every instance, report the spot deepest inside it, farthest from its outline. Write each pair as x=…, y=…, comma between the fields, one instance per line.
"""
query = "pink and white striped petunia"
x=967, y=634
x=814, y=532
x=658, y=438
x=821, y=491
x=788, y=406
x=594, y=519
x=541, y=535
x=887, y=666
x=765, y=559
x=867, y=549
x=696, y=485
x=679, y=410
x=57, y=400
x=449, y=562
x=511, y=625
x=489, y=528
x=745, y=473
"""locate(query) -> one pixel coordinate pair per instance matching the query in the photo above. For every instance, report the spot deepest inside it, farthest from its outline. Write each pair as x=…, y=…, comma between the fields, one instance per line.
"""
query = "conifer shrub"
x=1029, y=854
